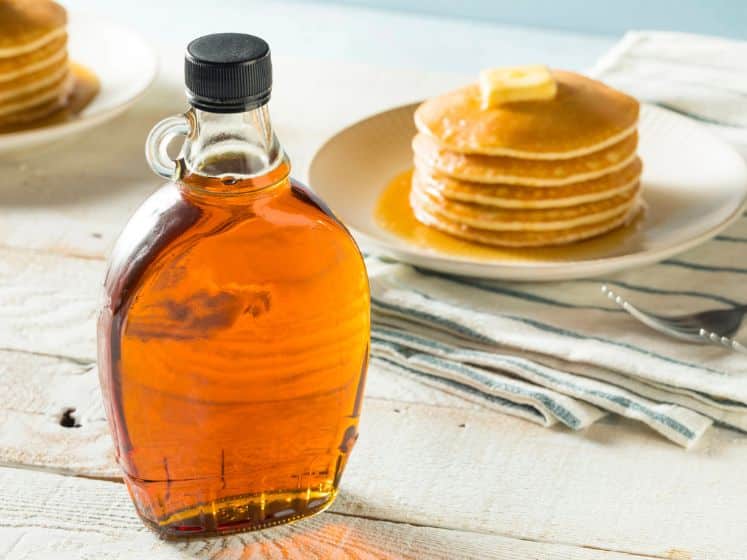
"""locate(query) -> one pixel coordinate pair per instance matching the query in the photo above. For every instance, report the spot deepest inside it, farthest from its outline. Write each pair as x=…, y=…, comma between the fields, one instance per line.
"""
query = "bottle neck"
x=232, y=151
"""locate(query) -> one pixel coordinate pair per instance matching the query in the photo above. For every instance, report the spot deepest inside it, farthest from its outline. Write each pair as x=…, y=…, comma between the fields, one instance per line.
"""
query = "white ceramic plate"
x=694, y=184
x=124, y=64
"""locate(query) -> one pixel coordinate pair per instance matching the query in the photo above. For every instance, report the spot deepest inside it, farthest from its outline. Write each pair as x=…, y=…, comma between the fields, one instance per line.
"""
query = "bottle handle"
x=158, y=141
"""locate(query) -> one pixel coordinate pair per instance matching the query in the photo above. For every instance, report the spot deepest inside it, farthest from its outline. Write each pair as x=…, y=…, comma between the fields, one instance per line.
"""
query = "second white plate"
x=694, y=185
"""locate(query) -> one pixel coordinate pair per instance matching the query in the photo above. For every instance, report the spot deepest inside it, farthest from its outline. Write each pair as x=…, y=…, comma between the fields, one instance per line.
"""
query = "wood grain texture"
x=613, y=487
x=48, y=303
x=37, y=391
x=51, y=516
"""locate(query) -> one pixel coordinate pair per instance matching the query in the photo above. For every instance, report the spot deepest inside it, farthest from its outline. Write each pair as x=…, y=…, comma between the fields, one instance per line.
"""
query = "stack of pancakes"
x=528, y=173
x=35, y=78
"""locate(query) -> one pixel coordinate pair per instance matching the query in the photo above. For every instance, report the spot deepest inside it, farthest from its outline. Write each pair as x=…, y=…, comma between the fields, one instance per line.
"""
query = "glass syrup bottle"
x=233, y=341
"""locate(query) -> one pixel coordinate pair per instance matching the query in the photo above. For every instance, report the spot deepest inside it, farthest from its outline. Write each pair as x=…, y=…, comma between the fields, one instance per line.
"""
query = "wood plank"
x=614, y=487
x=49, y=516
x=48, y=303
x=37, y=391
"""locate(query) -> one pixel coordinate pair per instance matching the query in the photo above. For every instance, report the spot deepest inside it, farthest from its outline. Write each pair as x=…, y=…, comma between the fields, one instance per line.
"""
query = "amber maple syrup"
x=233, y=343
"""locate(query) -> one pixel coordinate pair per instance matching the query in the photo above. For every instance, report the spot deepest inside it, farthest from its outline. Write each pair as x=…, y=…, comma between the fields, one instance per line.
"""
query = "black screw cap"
x=228, y=72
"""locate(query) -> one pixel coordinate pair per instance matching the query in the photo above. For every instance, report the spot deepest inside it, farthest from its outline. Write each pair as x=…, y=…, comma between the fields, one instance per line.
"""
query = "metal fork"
x=708, y=327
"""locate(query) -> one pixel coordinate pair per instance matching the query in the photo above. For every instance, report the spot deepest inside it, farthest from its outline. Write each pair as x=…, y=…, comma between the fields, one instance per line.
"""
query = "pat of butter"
x=516, y=83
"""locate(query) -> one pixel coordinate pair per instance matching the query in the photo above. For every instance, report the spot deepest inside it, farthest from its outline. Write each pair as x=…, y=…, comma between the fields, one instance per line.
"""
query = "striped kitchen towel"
x=702, y=77
x=562, y=352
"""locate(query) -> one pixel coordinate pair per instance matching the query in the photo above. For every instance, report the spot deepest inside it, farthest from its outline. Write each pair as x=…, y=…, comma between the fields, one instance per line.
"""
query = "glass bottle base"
x=236, y=514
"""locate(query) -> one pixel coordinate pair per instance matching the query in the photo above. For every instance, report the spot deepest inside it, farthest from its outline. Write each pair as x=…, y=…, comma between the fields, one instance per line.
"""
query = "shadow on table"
x=324, y=536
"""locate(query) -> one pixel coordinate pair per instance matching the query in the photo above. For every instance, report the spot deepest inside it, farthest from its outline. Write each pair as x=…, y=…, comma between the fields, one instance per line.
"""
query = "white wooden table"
x=431, y=477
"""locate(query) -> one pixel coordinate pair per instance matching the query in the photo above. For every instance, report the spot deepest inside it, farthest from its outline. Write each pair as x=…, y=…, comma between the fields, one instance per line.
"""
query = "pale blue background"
x=718, y=17
x=348, y=32
x=553, y=32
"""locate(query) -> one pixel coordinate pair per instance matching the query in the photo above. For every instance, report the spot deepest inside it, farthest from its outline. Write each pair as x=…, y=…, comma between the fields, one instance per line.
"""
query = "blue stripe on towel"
x=450, y=325
x=661, y=291
x=737, y=429
x=562, y=413
x=628, y=285
x=534, y=298
x=558, y=330
x=532, y=368
x=720, y=400
x=428, y=317
x=731, y=239
x=464, y=388
x=704, y=267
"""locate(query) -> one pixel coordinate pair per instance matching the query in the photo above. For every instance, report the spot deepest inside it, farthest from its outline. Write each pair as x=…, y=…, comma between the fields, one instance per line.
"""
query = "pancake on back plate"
x=53, y=53
x=35, y=78
x=526, y=238
x=530, y=172
x=527, y=158
x=517, y=196
x=27, y=25
x=506, y=219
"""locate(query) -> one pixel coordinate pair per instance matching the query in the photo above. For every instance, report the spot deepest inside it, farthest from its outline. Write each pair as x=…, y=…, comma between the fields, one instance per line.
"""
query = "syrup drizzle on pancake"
x=527, y=170
x=545, y=219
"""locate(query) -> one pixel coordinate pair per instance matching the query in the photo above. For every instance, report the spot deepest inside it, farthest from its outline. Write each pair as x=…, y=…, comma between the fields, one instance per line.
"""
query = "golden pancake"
x=31, y=83
x=528, y=238
x=584, y=116
x=515, y=196
x=37, y=84
x=57, y=91
x=26, y=25
x=54, y=52
x=31, y=114
x=528, y=172
x=83, y=87
x=492, y=218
